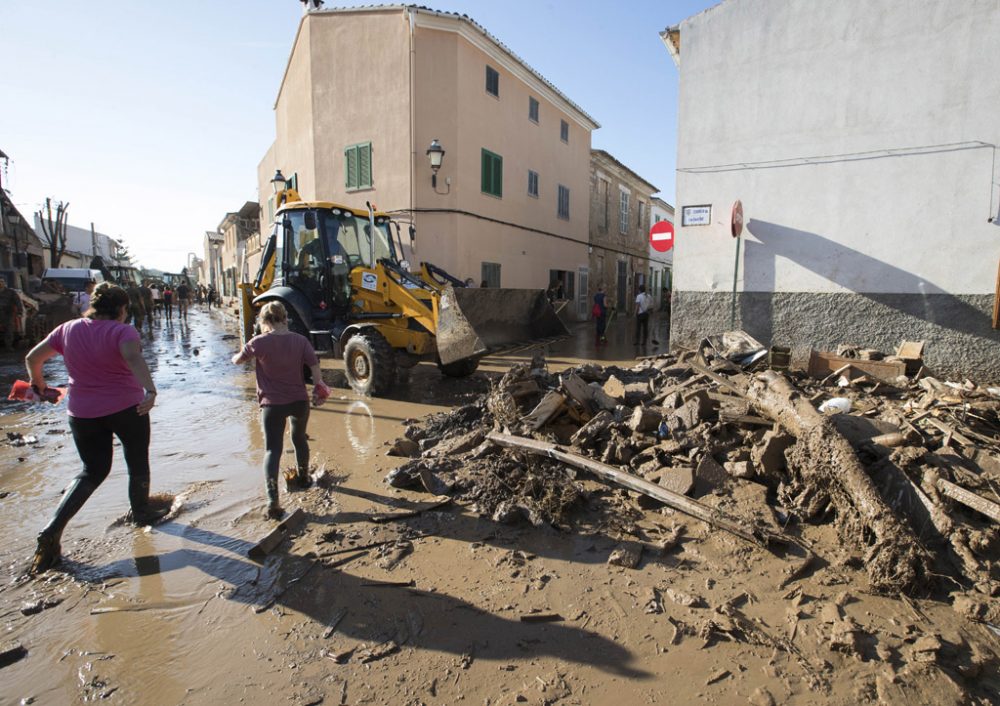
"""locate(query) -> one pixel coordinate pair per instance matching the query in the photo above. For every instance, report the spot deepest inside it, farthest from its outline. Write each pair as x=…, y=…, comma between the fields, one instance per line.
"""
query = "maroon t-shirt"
x=280, y=357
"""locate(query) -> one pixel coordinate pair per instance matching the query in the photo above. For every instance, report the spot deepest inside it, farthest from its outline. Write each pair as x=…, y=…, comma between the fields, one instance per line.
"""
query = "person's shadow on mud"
x=411, y=617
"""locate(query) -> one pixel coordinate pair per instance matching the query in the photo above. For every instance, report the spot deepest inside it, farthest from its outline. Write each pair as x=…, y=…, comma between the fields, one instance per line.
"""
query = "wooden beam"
x=969, y=499
x=751, y=533
x=276, y=536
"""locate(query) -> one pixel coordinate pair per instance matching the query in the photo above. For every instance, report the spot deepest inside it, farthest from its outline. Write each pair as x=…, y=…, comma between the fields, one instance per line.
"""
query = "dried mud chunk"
x=626, y=555
x=709, y=476
x=404, y=447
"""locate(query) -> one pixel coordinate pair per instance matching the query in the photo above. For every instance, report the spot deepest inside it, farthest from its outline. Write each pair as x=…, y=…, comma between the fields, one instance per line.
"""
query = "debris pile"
x=905, y=467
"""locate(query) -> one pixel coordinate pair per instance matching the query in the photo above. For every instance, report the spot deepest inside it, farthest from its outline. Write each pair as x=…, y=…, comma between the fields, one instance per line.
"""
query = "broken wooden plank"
x=718, y=379
x=949, y=431
x=910, y=350
x=726, y=416
x=276, y=536
x=822, y=364
x=541, y=618
x=753, y=533
x=969, y=499
x=550, y=405
x=420, y=509
x=836, y=373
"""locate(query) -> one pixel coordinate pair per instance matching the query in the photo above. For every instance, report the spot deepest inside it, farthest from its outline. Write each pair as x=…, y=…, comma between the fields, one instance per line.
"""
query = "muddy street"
x=498, y=579
x=179, y=614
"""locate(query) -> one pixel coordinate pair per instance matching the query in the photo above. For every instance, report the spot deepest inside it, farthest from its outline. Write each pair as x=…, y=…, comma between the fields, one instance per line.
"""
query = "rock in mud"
x=12, y=652
x=408, y=448
x=626, y=555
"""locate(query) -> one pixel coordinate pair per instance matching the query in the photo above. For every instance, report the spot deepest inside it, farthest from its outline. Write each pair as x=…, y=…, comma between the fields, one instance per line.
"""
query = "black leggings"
x=94, y=440
x=273, y=419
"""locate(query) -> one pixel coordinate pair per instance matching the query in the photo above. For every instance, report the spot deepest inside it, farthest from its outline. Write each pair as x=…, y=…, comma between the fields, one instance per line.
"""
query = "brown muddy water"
x=179, y=614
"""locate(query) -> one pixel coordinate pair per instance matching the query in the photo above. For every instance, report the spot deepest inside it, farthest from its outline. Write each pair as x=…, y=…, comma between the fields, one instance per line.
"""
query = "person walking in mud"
x=10, y=309
x=168, y=302
x=643, y=305
x=281, y=356
x=111, y=393
x=183, y=293
x=211, y=296
x=600, y=314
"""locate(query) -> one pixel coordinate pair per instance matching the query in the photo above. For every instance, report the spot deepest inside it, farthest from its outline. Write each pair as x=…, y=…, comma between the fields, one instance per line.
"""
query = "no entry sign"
x=661, y=236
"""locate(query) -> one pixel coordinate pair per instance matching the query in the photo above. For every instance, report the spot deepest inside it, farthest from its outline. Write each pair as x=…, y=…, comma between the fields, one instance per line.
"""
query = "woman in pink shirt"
x=281, y=357
x=110, y=394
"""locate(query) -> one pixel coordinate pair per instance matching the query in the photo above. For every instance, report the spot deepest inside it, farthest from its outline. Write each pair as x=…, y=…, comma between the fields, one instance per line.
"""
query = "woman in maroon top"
x=281, y=356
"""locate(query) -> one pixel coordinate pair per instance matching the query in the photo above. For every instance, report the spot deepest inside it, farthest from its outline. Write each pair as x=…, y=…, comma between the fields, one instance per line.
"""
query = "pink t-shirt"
x=280, y=357
x=100, y=381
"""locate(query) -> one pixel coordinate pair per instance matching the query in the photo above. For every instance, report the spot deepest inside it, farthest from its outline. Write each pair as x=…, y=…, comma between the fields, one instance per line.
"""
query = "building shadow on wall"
x=848, y=268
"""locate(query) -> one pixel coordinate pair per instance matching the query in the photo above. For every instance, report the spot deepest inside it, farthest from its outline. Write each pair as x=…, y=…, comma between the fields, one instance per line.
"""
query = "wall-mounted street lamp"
x=435, y=153
x=279, y=182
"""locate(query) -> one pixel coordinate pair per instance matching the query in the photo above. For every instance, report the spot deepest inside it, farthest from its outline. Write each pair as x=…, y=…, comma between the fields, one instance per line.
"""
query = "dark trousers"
x=94, y=440
x=641, y=327
x=273, y=420
x=602, y=325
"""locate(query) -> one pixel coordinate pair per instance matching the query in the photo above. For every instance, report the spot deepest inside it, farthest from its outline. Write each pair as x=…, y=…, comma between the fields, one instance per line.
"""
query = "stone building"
x=619, y=230
x=237, y=229
x=367, y=90
x=861, y=139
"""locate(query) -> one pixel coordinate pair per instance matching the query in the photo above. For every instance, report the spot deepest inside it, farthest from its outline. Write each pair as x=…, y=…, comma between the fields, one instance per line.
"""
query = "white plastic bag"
x=836, y=405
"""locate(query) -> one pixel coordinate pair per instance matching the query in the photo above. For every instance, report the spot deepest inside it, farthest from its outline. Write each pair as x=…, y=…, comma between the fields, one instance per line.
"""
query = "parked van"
x=73, y=279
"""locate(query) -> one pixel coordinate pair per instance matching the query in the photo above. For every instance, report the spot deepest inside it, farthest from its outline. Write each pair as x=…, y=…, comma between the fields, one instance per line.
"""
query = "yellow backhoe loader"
x=342, y=279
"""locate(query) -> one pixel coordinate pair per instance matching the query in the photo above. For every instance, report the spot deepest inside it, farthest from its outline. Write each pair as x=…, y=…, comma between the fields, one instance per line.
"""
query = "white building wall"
x=861, y=138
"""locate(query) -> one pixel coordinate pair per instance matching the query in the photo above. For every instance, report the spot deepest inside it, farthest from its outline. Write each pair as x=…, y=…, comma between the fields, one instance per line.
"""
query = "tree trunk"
x=826, y=461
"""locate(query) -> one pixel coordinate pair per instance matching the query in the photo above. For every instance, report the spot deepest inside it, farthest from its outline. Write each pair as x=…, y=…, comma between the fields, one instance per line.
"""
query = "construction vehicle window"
x=303, y=248
x=348, y=237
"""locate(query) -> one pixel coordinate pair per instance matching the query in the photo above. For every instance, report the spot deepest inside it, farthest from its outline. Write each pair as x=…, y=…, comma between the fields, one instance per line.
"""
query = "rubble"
x=907, y=476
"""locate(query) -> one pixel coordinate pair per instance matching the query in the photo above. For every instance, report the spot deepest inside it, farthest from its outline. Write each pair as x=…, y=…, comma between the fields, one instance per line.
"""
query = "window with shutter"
x=492, y=174
x=532, y=109
x=563, y=202
x=532, y=183
x=492, y=81
x=564, y=131
x=358, y=166
x=623, y=213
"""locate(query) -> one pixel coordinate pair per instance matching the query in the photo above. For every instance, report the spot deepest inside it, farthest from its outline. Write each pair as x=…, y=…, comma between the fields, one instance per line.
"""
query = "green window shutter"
x=294, y=181
x=351, y=167
x=497, y=175
x=365, y=165
x=492, y=174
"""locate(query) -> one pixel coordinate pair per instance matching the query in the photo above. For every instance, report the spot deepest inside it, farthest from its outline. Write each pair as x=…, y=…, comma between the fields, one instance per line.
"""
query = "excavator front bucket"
x=474, y=322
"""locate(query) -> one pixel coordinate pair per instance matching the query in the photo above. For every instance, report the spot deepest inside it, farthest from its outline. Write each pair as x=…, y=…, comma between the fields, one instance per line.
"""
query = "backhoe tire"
x=370, y=363
x=460, y=368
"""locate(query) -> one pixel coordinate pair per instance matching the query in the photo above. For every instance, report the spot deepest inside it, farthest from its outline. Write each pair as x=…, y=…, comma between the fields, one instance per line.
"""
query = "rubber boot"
x=274, y=510
x=48, y=551
x=138, y=498
x=303, y=478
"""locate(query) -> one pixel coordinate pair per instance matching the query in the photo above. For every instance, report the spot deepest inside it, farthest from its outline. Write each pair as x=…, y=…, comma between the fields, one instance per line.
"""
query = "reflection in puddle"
x=359, y=422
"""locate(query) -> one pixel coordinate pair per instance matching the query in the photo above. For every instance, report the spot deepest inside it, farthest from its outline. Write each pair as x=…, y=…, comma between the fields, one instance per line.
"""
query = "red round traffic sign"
x=661, y=236
x=736, y=224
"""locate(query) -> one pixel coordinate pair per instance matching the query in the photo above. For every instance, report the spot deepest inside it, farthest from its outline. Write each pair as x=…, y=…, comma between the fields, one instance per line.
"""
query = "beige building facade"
x=620, y=202
x=236, y=229
x=365, y=93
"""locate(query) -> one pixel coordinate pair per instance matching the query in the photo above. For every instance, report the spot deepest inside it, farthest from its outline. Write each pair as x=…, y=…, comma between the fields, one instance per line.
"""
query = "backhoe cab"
x=340, y=274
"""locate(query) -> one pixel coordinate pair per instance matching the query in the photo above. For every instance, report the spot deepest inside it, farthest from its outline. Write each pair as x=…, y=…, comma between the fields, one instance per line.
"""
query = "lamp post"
x=435, y=153
x=279, y=182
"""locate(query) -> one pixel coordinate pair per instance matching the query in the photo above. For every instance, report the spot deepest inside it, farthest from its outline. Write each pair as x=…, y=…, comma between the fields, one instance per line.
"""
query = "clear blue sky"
x=149, y=118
